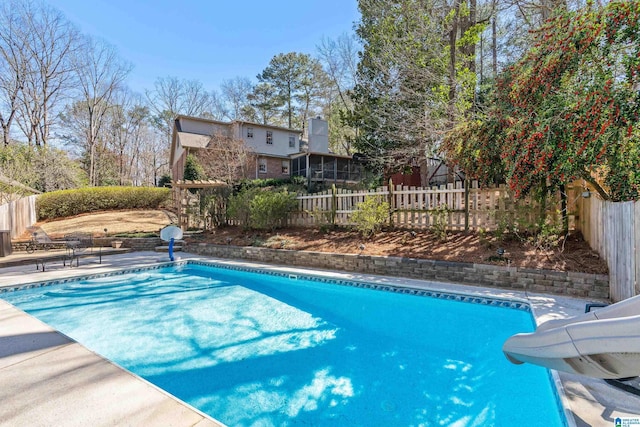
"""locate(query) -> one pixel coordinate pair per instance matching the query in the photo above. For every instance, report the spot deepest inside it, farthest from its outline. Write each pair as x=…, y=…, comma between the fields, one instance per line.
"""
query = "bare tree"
x=235, y=94
x=157, y=160
x=14, y=61
x=512, y=23
x=227, y=159
x=100, y=73
x=217, y=107
x=340, y=61
x=145, y=141
x=172, y=96
x=50, y=41
x=145, y=151
x=127, y=128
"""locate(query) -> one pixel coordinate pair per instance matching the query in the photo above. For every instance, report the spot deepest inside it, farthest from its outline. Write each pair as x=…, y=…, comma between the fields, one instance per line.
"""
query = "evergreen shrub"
x=64, y=203
x=261, y=209
x=370, y=215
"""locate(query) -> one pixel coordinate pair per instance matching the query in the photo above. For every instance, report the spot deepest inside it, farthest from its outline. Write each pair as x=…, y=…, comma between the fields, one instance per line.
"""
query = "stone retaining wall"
x=134, y=243
x=543, y=281
x=140, y=243
x=21, y=246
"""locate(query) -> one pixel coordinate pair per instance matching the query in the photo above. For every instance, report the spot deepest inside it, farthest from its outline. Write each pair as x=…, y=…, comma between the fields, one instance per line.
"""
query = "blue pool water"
x=258, y=350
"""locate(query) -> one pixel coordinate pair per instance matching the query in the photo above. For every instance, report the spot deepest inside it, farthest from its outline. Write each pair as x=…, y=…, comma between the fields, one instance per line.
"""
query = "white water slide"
x=601, y=344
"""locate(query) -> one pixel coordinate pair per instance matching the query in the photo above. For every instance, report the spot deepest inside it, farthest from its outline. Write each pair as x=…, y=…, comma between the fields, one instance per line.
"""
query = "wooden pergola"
x=179, y=196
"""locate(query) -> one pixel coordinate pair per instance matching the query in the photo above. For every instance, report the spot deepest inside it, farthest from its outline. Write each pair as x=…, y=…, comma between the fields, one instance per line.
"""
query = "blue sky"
x=208, y=40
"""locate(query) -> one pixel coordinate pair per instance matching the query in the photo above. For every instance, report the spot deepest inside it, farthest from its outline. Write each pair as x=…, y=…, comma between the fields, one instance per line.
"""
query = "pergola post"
x=181, y=187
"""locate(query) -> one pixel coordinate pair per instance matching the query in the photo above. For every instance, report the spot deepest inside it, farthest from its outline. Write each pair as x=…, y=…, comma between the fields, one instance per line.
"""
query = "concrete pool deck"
x=47, y=378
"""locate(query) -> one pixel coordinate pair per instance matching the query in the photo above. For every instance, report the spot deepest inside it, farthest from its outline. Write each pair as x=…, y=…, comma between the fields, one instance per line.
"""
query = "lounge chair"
x=77, y=245
x=41, y=240
x=81, y=244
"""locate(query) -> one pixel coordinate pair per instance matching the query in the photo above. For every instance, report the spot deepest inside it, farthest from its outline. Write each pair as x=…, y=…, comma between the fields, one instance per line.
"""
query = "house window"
x=269, y=137
x=292, y=141
x=249, y=132
x=262, y=165
x=285, y=167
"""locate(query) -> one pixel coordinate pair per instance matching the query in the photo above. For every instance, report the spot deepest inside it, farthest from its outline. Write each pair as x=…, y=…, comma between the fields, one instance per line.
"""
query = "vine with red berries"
x=567, y=110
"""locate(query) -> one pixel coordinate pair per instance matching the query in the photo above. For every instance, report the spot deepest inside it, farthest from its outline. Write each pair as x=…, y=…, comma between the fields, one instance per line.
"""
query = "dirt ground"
x=127, y=221
x=574, y=255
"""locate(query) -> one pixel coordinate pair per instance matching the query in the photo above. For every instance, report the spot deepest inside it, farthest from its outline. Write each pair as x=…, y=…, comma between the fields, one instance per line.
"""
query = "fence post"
x=334, y=203
x=391, y=202
x=466, y=204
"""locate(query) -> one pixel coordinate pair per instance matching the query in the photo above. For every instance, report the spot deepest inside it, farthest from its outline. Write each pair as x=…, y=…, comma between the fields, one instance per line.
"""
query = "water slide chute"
x=601, y=344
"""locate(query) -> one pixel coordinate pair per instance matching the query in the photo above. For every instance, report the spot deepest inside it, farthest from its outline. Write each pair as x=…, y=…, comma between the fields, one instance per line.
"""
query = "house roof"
x=193, y=140
x=273, y=156
x=201, y=119
x=211, y=183
x=244, y=122
x=313, y=153
x=219, y=122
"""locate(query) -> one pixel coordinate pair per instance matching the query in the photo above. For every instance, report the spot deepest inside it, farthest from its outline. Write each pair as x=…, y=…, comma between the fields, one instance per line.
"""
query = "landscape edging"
x=574, y=284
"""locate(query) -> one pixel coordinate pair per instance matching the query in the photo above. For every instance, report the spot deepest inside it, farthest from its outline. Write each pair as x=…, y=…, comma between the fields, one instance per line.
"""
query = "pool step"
x=176, y=248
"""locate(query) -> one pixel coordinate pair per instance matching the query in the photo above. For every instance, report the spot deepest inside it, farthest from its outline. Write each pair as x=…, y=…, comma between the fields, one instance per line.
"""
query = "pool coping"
x=535, y=301
x=510, y=303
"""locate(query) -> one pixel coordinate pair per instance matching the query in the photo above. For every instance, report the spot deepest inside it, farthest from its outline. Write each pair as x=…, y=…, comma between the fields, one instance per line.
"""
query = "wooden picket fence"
x=613, y=230
x=17, y=215
x=418, y=208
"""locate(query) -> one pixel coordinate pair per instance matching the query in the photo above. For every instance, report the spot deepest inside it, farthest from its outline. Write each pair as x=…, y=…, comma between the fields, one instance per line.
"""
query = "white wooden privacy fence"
x=18, y=215
x=613, y=230
x=417, y=207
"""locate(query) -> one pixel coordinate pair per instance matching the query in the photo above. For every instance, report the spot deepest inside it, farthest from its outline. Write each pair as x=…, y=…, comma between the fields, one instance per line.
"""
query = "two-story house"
x=279, y=152
x=271, y=144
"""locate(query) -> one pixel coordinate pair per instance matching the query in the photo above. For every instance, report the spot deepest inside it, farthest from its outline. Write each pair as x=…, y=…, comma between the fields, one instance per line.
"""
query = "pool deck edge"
x=48, y=377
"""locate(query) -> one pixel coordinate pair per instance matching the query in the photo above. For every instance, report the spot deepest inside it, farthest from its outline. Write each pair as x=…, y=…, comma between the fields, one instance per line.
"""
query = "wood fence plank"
x=414, y=206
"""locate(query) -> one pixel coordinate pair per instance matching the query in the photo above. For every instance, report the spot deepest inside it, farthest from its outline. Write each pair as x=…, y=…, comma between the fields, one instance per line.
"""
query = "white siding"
x=204, y=128
x=280, y=145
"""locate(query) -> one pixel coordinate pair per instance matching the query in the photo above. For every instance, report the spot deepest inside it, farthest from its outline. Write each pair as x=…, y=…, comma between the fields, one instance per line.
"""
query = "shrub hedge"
x=370, y=215
x=63, y=203
x=260, y=208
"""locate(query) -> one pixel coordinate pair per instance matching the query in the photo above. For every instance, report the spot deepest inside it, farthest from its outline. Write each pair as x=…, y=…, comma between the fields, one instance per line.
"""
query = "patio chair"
x=41, y=240
x=81, y=244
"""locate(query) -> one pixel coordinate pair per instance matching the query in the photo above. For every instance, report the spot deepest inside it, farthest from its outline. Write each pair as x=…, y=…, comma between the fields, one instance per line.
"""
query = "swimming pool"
x=252, y=349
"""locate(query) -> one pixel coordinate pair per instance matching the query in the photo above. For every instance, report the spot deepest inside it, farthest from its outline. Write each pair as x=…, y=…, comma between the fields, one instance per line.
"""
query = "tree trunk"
x=5, y=134
x=481, y=74
x=470, y=49
x=453, y=36
x=494, y=40
x=289, y=106
x=601, y=191
x=92, y=174
x=6, y=128
x=563, y=209
x=121, y=153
